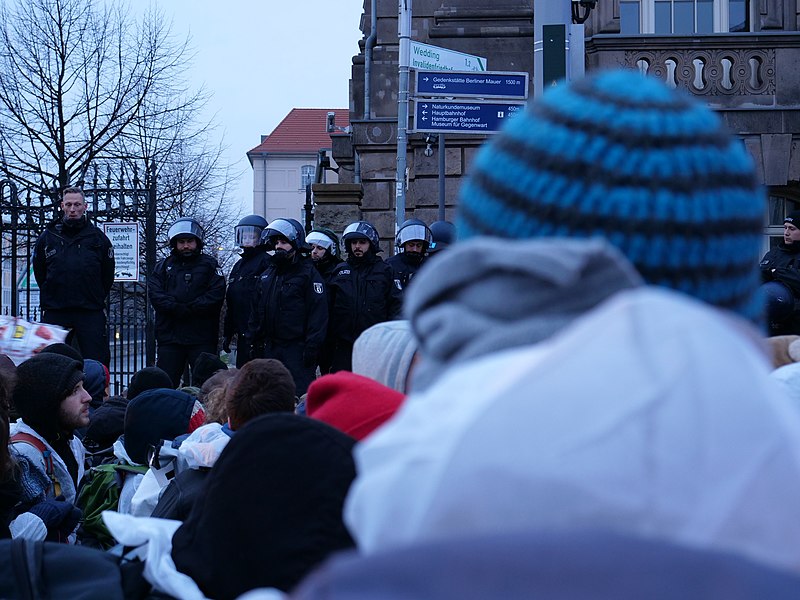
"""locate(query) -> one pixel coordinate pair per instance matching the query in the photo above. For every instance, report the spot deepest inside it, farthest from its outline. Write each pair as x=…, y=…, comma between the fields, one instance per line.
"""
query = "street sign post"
x=469, y=84
x=434, y=58
x=434, y=116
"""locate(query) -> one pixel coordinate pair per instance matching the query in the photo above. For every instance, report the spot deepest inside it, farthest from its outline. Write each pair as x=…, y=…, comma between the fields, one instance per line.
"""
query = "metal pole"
x=546, y=51
x=150, y=263
x=442, y=167
x=404, y=21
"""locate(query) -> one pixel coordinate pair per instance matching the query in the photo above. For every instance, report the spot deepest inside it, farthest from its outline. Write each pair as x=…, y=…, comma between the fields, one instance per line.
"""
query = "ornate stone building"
x=740, y=56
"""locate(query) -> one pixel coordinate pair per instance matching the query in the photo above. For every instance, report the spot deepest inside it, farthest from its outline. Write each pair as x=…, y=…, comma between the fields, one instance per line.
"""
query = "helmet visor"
x=248, y=236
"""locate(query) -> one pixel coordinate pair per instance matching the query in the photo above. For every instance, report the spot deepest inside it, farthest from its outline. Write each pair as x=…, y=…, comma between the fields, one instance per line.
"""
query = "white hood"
x=652, y=415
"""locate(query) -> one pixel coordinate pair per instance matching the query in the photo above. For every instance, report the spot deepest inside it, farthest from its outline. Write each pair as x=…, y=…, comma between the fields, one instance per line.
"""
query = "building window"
x=307, y=173
x=683, y=17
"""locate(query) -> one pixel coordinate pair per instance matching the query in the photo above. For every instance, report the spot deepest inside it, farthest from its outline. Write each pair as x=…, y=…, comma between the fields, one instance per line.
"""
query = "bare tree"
x=82, y=82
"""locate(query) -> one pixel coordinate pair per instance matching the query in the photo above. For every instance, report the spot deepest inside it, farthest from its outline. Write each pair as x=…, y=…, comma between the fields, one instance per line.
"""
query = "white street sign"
x=433, y=58
x=125, y=239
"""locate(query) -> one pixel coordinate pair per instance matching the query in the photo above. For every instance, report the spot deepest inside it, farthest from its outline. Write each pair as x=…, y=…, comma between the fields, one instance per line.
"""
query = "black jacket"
x=187, y=294
x=290, y=306
x=782, y=263
x=404, y=269
x=73, y=266
x=242, y=284
x=363, y=293
x=327, y=268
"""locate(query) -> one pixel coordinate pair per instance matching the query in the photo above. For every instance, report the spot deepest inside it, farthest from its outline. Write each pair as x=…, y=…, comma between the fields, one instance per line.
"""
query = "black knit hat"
x=149, y=378
x=793, y=218
x=205, y=365
x=64, y=350
x=43, y=382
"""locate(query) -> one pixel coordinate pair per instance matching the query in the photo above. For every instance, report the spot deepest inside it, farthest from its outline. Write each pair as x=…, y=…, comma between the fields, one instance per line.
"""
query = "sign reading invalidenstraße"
x=125, y=240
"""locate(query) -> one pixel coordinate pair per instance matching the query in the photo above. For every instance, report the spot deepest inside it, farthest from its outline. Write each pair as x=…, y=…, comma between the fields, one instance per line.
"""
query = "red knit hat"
x=352, y=403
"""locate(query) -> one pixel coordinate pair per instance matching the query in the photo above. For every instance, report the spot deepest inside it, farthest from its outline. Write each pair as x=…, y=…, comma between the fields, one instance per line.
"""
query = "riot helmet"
x=410, y=230
x=248, y=231
x=444, y=234
x=280, y=227
x=302, y=245
x=778, y=300
x=363, y=230
x=185, y=227
x=325, y=238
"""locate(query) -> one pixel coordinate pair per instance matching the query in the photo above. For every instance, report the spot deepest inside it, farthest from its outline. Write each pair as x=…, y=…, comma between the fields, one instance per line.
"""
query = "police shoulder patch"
x=317, y=288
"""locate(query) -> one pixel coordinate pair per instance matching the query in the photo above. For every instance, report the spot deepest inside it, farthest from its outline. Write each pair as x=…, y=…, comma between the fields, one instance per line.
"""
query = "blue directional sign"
x=447, y=116
x=464, y=84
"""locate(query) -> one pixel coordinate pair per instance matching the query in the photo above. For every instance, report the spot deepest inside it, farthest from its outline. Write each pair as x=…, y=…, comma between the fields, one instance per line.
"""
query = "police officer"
x=242, y=284
x=443, y=233
x=289, y=317
x=363, y=292
x=324, y=251
x=411, y=244
x=782, y=264
x=325, y=254
x=73, y=263
x=187, y=290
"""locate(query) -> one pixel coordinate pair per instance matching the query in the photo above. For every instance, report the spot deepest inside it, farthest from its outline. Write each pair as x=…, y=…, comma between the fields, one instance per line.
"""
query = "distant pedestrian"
x=187, y=290
x=73, y=263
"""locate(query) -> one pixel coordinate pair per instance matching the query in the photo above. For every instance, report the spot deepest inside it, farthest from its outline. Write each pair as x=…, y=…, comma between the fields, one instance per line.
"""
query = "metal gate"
x=24, y=215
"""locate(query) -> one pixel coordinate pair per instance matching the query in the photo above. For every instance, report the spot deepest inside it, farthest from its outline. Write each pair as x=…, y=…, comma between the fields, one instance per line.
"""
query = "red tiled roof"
x=303, y=130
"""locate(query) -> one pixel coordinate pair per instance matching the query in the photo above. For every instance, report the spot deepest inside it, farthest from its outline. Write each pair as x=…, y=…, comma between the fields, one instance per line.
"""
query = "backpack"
x=100, y=491
x=48, y=570
x=47, y=457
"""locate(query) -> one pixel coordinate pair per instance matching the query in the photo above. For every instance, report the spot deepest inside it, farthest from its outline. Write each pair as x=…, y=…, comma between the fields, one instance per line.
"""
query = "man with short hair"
x=73, y=264
x=263, y=385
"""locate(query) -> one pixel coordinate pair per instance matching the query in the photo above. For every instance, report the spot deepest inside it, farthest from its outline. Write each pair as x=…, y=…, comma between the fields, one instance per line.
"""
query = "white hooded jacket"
x=651, y=415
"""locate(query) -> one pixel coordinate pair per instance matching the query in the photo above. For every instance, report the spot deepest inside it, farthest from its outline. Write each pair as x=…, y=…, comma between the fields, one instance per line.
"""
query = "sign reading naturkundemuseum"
x=125, y=239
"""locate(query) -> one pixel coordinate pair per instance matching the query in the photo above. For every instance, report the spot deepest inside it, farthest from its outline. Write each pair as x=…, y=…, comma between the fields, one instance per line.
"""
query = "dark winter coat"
x=73, y=266
x=404, y=268
x=290, y=306
x=242, y=284
x=272, y=507
x=782, y=263
x=187, y=294
x=363, y=293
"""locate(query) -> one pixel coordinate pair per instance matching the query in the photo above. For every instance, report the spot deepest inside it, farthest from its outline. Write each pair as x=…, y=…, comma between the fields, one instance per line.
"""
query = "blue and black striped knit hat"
x=651, y=169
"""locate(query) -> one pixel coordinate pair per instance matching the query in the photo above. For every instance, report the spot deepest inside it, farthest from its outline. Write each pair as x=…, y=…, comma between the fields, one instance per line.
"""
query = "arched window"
x=307, y=173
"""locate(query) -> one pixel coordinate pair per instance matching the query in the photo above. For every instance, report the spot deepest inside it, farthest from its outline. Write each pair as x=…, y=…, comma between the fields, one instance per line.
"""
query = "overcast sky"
x=260, y=59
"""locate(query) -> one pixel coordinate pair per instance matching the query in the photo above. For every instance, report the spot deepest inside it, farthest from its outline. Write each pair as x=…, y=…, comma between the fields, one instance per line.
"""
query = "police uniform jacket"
x=782, y=263
x=73, y=266
x=290, y=306
x=187, y=294
x=242, y=284
x=403, y=269
x=363, y=293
